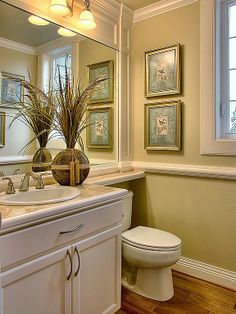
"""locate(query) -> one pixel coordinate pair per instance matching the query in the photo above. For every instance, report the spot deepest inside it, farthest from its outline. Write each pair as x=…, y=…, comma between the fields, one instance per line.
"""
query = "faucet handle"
x=10, y=187
x=40, y=184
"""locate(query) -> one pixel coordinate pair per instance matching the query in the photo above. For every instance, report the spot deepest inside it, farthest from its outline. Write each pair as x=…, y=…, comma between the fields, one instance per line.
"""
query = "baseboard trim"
x=210, y=273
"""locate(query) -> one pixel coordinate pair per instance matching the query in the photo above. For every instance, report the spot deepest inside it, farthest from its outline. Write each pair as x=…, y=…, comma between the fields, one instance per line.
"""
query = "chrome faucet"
x=10, y=187
x=25, y=181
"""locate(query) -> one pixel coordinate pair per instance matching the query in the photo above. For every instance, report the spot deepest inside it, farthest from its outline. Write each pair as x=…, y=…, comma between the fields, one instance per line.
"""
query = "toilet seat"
x=147, y=238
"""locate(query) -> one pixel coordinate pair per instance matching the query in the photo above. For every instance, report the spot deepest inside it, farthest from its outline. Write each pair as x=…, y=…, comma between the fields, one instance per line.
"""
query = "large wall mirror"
x=40, y=51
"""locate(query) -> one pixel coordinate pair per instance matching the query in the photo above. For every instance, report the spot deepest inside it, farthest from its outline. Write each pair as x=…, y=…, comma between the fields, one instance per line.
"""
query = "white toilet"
x=148, y=255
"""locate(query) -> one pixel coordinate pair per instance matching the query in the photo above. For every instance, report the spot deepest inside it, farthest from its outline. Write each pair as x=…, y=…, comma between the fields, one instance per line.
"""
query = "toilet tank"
x=127, y=211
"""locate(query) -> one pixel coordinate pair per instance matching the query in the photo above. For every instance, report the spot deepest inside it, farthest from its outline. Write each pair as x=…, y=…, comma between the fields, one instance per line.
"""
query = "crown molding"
x=6, y=43
x=159, y=8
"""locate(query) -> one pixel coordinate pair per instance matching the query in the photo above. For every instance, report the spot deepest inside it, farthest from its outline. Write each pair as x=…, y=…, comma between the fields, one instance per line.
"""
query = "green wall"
x=202, y=212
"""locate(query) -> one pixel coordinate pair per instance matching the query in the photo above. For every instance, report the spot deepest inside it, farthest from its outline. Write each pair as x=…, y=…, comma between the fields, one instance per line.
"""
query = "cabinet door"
x=39, y=286
x=97, y=286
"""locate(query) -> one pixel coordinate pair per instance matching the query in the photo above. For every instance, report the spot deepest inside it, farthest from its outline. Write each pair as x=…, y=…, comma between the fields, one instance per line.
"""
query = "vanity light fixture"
x=33, y=19
x=86, y=20
x=60, y=7
x=66, y=32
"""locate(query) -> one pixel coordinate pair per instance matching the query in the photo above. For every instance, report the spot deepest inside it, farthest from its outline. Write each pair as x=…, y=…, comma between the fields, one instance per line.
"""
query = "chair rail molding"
x=227, y=173
x=12, y=160
x=159, y=8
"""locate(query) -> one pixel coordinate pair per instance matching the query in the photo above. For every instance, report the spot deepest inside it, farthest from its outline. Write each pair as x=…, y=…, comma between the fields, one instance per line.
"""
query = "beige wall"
x=202, y=212
x=91, y=52
x=18, y=135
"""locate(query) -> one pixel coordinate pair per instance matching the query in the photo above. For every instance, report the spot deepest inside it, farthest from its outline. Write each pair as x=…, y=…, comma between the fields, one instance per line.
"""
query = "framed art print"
x=11, y=89
x=163, y=126
x=99, y=130
x=162, y=71
x=2, y=128
x=105, y=92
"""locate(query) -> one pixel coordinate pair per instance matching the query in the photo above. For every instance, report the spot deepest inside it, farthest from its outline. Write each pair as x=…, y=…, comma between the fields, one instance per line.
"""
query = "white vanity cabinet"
x=70, y=265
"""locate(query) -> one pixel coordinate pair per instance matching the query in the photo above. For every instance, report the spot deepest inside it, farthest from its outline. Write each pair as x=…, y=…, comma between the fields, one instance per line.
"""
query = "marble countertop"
x=90, y=196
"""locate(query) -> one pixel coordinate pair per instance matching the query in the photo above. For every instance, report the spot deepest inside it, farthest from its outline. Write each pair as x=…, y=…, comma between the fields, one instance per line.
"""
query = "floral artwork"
x=99, y=132
x=162, y=71
x=11, y=88
x=104, y=92
x=162, y=126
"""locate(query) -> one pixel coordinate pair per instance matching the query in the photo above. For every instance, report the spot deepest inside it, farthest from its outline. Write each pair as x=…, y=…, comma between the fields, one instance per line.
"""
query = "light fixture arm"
x=87, y=4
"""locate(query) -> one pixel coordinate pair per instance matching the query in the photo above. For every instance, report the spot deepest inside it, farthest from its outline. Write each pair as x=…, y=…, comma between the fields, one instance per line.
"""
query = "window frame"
x=210, y=93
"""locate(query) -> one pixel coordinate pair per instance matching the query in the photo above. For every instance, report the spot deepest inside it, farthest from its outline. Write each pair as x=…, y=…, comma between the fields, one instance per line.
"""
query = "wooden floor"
x=192, y=296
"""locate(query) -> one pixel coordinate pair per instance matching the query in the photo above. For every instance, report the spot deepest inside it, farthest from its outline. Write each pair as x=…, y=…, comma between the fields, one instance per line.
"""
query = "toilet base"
x=156, y=284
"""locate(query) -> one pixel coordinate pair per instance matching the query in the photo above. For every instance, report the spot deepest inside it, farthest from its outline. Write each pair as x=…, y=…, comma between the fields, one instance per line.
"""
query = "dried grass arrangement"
x=35, y=110
x=71, y=101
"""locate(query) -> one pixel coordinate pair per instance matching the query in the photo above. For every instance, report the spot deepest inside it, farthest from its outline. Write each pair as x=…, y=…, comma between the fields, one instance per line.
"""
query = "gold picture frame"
x=163, y=126
x=99, y=132
x=2, y=128
x=162, y=71
x=105, y=93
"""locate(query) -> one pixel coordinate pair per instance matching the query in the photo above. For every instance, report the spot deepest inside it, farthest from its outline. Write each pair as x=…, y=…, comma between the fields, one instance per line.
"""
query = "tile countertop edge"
x=63, y=208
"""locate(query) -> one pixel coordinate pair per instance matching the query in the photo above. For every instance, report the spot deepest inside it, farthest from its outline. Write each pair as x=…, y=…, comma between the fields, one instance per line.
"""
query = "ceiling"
x=15, y=26
x=137, y=4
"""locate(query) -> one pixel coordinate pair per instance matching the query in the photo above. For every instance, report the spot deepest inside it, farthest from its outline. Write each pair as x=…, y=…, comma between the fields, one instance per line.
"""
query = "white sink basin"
x=48, y=195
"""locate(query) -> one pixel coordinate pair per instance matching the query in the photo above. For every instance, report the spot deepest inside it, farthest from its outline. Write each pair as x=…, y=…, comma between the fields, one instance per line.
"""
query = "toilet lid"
x=150, y=238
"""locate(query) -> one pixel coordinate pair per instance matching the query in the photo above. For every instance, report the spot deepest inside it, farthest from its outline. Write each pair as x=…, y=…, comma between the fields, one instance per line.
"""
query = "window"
x=218, y=77
x=61, y=64
x=228, y=69
x=232, y=66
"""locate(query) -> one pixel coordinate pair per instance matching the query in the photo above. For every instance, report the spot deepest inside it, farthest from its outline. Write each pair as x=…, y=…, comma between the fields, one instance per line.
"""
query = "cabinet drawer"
x=26, y=243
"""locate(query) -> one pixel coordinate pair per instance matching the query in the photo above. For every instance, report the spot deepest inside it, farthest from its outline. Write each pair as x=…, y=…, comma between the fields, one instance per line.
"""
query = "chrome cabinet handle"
x=78, y=256
x=68, y=254
x=73, y=230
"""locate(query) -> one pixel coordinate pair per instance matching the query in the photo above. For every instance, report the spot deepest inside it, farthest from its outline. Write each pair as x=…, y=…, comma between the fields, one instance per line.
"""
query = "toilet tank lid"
x=151, y=237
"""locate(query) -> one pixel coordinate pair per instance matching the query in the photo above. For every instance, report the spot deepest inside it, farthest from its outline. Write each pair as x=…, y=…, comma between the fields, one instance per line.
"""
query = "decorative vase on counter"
x=42, y=160
x=70, y=167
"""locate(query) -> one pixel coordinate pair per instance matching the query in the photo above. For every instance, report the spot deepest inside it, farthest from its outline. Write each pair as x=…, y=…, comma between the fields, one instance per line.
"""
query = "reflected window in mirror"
x=61, y=64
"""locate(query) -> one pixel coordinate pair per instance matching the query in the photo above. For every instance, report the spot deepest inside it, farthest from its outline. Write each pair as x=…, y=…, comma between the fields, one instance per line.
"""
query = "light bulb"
x=86, y=20
x=66, y=32
x=59, y=7
x=37, y=20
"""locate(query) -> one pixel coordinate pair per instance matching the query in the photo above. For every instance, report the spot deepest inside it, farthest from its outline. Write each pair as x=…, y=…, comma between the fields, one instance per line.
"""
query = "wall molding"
x=12, y=160
x=6, y=43
x=188, y=170
x=160, y=7
x=214, y=274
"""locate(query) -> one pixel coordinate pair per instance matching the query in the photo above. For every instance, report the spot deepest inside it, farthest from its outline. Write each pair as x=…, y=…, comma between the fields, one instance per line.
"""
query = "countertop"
x=90, y=196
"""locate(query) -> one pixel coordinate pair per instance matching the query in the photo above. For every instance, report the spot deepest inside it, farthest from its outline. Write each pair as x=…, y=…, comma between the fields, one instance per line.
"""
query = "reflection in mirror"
x=41, y=51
